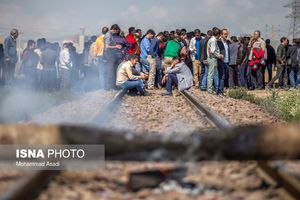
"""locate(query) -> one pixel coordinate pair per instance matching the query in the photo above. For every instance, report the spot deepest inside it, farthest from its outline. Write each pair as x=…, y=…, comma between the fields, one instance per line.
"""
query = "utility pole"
x=275, y=30
x=294, y=16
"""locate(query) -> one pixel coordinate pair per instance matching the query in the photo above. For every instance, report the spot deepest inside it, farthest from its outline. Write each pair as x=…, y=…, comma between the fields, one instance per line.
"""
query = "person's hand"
x=95, y=62
x=147, y=73
x=282, y=62
x=7, y=59
x=119, y=46
x=221, y=56
x=164, y=80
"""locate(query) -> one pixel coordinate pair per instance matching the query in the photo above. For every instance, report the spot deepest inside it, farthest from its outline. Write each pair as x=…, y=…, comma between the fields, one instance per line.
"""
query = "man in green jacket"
x=173, y=49
x=281, y=62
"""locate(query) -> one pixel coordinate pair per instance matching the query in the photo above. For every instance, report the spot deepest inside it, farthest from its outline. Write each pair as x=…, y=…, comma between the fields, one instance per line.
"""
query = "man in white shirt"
x=65, y=65
x=129, y=78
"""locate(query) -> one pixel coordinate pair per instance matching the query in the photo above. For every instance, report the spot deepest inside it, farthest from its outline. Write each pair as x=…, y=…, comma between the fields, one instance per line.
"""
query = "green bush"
x=285, y=108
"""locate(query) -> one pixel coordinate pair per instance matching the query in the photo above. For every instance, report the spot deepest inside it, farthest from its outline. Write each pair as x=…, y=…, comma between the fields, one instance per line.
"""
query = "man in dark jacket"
x=281, y=61
x=29, y=63
x=233, y=69
x=242, y=61
x=292, y=54
x=48, y=60
x=10, y=56
x=223, y=64
x=1, y=63
x=271, y=59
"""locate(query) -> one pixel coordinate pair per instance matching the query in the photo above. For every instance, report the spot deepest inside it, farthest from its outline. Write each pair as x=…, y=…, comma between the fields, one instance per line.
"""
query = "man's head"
x=14, y=33
x=131, y=30
x=256, y=34
x=41, y=43
x=295, y=42
x=115, y=29
x=268, y=41
x=104, y=30
x=233, y=39
x=197, y=33
x=209, y=33
x=177, y=33
x=224, y=34
x=66, y=45
x=31, y=44
x=160, y=36
x=175, y=60
x=138, y=33
x=183, y=35
x=150, y=34
x=284, y=41
x=133, y=59
x=216, y=32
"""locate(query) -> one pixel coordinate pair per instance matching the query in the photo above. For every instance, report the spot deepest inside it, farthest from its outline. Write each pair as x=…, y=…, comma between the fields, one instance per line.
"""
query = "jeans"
x=242, y=73
x=48, y=80
x=138, y=67
x=257, y=77
x=159, y=71
x=137, y=84
x=101, y=72
x=9, y=72
x=172, y=80
x=284, y=78
x=280, y=70
x=145, y=65
x=65, y=79
x=294, y=71
x=204, y=78
x=110, y=65
x=234, y=79
x=223, y=68
x=269, y=67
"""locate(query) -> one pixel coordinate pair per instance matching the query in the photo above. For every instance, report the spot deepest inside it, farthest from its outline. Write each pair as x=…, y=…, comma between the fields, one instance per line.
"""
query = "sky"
x=59, y=18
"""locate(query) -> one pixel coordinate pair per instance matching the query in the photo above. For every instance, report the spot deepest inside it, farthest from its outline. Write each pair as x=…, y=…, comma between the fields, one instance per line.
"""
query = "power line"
x=294, y=16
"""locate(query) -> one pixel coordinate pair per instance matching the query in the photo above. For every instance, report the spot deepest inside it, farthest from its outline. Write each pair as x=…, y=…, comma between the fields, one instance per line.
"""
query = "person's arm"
x=130, y=75
x=127, y=45
x=279, y=55
x=173, y=70
x=6, y=48
x=192, y=46
x=147, y=46
x=96, y=48
x=67, y=59
x=213, y=49
x=107, y=42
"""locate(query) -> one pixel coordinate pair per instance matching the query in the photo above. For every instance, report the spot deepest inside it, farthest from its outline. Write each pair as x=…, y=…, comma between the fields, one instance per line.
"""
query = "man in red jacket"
x=130, y=38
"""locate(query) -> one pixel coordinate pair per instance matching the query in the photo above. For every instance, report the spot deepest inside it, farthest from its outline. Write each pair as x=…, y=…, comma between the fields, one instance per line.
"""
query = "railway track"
x=268, y=170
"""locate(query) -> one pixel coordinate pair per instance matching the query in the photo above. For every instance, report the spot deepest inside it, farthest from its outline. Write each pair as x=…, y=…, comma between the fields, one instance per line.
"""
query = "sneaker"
x=211, y=92
x=159, y=86
x=166, y=93
x=221, y=95
x=292, y=89
x=151, y=88
x=146, y=94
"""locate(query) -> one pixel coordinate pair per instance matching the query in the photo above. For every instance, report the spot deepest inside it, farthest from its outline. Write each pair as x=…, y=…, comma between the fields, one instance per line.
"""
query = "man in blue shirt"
x=145, y=52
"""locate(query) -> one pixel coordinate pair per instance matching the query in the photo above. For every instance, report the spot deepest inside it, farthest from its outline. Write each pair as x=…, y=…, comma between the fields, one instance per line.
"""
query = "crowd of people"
x=210, y=62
